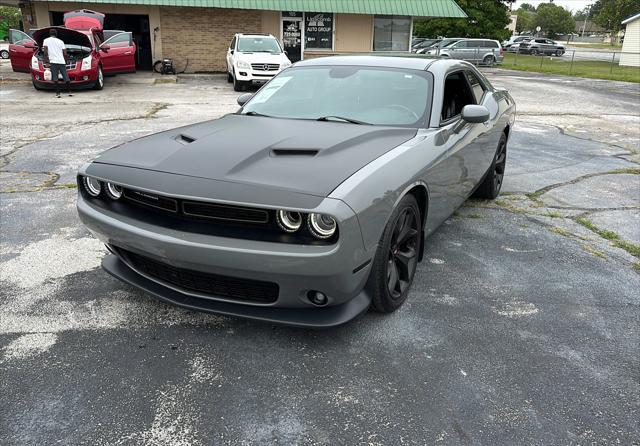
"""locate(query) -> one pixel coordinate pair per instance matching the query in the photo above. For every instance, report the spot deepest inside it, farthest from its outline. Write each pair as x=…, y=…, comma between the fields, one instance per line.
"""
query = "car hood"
x=68, y=36
x=260, y=57
x=302, y=156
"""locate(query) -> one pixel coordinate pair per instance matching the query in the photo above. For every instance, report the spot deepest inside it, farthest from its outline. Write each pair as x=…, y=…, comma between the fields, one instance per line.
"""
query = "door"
x=292, y=39
x=118, y=54
x=460, y=50
x=230, y=52
x=21, y=49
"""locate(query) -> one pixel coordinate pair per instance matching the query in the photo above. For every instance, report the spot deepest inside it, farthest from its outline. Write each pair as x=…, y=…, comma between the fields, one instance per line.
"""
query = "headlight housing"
x=286, y=64
x=289, y=221
x=86, y=63
x=243, y=64
x=34, y=63
x=92, y=186
x=322, y=226
x=114, y=191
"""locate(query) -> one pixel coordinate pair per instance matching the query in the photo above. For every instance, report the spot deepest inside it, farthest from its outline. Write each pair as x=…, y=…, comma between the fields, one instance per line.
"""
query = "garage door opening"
x=136, y=24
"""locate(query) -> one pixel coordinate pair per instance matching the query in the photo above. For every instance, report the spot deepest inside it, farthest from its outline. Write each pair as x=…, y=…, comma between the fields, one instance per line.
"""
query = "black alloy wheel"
x=492, y=182
x=394, y=266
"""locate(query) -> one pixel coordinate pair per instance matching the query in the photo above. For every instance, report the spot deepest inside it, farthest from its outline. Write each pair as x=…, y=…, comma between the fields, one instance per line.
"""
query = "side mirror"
x=105, y=48
x=475, y=114
x=285, y=53
x=244, y=98
x=232, y=51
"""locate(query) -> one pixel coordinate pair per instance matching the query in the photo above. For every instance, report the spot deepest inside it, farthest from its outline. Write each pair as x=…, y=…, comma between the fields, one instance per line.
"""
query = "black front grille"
x=213, y=285
x=265, y=66
x=224, y=212
x=153, y=200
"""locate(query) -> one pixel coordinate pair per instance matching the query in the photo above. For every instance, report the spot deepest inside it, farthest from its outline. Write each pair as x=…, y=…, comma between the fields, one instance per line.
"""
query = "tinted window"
x=490, y=44
x=463, y=44
x=233, y=43
x=456, y=96
x=476, y=86
x=382, y=96
x=119, y=40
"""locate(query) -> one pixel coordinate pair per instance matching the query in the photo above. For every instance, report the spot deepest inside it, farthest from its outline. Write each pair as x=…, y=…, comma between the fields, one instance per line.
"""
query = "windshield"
x=258, y=45
x=369, y=95
x=446, y=43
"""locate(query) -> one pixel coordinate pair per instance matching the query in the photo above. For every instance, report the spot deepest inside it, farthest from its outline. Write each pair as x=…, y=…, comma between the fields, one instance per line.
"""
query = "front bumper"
x=77, y=78
x=340, y=271
x=255, y=76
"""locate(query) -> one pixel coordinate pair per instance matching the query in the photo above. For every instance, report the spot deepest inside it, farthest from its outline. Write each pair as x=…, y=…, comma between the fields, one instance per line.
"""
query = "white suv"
x=254, y=59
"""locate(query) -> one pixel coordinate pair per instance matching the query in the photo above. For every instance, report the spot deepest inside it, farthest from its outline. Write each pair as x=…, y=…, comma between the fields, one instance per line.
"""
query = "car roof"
x=254, y=35
x=419, y=62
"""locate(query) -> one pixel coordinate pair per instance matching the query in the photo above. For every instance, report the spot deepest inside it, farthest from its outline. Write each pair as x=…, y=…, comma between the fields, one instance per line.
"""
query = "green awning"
x=416, y=8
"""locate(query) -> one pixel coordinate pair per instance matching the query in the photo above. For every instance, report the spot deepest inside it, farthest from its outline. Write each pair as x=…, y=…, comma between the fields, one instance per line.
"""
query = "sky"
x=571, y=5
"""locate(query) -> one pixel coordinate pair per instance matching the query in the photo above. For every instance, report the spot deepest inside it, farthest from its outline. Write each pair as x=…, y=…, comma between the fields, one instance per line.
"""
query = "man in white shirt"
x=56, y=54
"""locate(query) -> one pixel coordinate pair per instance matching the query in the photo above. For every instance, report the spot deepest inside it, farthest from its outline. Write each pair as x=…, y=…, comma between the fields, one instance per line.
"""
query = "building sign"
x=291, y=15
x=318, y=31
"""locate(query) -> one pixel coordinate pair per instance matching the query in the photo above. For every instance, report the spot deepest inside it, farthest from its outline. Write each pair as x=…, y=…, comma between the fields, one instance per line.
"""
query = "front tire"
x=36, y=86
x=99, y=84
x=492, y=183
x=559, y=53
x=237, y=85
x=396, y=259
x=4, y=54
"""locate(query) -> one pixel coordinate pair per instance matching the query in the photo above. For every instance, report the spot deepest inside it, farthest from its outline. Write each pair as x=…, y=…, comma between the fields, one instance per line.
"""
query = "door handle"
x=127, y=53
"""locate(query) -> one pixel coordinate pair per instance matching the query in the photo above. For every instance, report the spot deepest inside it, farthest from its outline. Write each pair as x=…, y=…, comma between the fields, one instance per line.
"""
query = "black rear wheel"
x=394, y=266
x=492, y=183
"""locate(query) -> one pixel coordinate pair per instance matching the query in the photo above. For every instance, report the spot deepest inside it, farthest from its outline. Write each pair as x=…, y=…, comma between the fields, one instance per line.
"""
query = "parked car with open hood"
x=254, y=59
x=90, y=55
x=313, y=201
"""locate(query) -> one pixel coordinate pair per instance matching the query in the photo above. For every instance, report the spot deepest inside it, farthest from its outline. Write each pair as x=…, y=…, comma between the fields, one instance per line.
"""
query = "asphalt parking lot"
x=522, y=326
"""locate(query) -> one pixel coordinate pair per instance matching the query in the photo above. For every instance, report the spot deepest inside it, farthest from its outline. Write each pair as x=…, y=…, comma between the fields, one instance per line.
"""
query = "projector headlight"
x=86, y=63
x=322, y=225
x=92, y=186
x=289, y=221
x=114, y=191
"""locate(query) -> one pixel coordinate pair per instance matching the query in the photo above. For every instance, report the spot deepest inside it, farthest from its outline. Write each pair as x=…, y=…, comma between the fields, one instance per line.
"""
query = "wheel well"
x=419, y=192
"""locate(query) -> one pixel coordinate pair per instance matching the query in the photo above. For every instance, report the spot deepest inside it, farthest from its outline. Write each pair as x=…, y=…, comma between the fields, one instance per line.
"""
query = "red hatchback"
x=91, y=55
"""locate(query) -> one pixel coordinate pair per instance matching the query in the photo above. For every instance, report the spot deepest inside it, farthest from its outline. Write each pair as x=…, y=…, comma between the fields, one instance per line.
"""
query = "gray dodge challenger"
x=311, y=203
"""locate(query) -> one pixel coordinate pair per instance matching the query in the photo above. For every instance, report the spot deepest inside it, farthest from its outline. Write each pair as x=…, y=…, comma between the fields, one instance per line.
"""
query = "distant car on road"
x=422, y=46
x=254, y=59
x=478, y=51
x=541, y=46
x=513, y=42
x=4, y=50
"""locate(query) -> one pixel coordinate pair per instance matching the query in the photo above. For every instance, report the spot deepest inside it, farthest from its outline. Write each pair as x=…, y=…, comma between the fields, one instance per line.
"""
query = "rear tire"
x=492, y=182
x=394, y=265
x=99, y=84
x=533, y=52
x=559, y=53
x=489, y=61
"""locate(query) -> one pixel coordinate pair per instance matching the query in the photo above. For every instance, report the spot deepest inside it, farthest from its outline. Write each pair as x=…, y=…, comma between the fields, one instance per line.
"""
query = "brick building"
x=199, y=31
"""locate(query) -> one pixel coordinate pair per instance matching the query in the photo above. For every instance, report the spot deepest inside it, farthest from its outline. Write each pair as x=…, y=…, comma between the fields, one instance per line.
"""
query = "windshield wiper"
x=254, y=113
x=340, y=118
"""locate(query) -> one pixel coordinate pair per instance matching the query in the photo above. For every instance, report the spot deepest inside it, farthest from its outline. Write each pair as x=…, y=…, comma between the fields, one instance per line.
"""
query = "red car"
x=91, y=55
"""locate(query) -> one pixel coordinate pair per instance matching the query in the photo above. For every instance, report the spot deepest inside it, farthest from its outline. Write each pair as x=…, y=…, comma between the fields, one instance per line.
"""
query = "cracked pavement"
x=521, y=327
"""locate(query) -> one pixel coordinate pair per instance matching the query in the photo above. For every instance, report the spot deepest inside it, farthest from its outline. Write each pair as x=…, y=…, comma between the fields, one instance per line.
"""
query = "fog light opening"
x=317, y=298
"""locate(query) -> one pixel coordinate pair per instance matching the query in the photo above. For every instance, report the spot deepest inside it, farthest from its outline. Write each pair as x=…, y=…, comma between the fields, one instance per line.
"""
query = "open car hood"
x=68, y=36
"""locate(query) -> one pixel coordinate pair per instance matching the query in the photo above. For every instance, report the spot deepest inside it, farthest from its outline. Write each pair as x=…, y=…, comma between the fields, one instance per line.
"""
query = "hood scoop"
x=185, y=139
x=294, y=152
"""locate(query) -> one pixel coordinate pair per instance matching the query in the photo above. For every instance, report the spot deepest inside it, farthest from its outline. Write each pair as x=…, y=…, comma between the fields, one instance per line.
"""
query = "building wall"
x=203, y=35
x=43, y=18
x=630, y=56
x=354, y=33
x=271, y=23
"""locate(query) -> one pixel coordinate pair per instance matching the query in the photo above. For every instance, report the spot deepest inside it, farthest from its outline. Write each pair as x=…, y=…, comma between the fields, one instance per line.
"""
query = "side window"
x=17, y=37
x=476, y=86
x=119, y=40
x=233, y=44
x=456, y=95
x=492, y=44
x=461, y=44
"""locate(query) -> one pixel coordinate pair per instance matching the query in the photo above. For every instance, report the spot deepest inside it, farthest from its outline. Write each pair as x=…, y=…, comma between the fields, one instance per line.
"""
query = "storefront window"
x=391, y=33
x=318, y=31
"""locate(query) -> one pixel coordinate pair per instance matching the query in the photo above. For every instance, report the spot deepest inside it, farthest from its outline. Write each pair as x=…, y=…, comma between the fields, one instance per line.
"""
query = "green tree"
x=610, y=13
x=526, y=20
x=554, y=19
x=527, y=7
x=486, y=18
x=9, y=18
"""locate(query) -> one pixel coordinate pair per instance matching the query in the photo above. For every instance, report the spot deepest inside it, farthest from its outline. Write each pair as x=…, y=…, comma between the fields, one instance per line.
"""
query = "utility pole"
x=584, y=25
